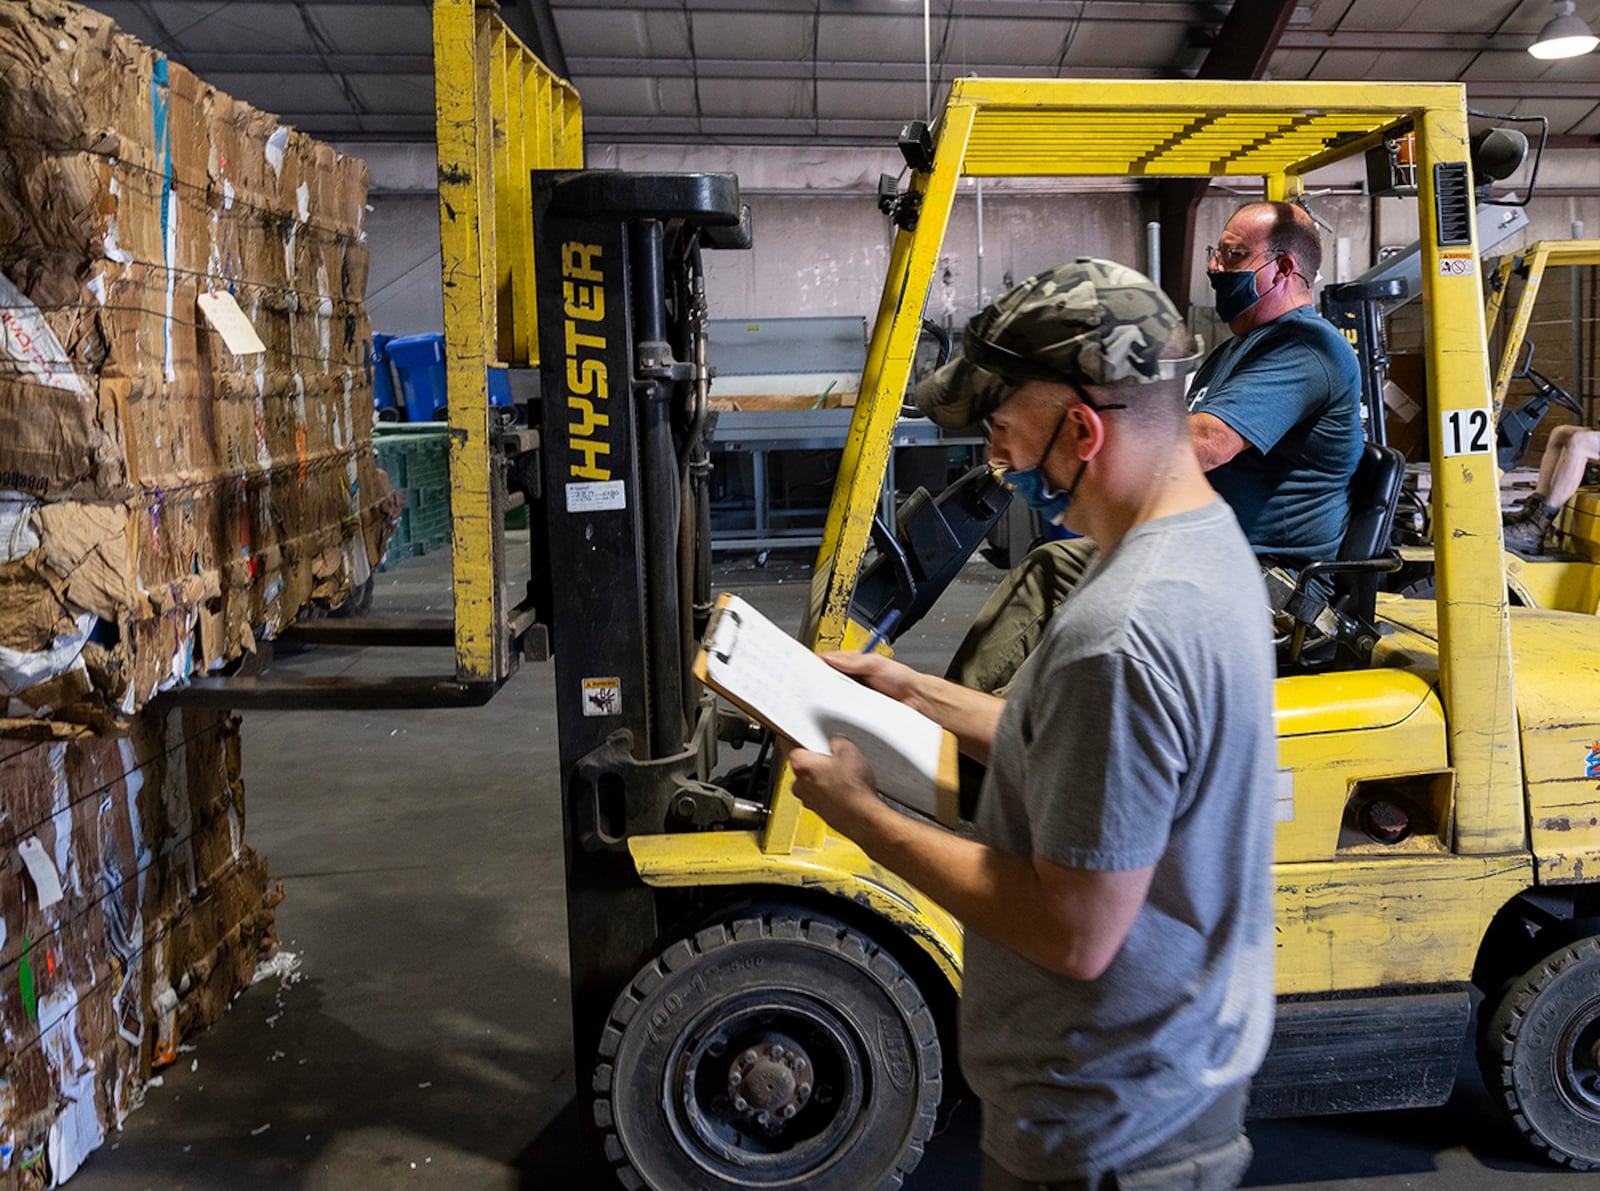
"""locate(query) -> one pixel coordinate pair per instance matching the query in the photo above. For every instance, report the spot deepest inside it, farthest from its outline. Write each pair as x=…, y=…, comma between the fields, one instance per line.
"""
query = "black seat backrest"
x=1374, y=494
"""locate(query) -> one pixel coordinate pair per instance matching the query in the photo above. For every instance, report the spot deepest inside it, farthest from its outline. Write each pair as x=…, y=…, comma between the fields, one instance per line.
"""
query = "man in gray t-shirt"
x=1117, y=900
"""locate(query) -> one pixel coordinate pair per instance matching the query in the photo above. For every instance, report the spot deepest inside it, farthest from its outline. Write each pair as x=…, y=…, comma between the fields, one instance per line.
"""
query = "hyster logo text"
x=583, y=289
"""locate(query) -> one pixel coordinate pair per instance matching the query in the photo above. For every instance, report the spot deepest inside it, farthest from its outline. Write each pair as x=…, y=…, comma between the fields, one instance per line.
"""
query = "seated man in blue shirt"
x=1275, y=416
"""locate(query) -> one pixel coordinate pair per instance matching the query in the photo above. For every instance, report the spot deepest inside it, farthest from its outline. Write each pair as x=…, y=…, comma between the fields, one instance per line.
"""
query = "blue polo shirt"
x=1292, y=390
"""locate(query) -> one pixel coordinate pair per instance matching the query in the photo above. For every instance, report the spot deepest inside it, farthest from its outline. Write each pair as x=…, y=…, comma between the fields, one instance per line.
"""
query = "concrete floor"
x=423, y=1038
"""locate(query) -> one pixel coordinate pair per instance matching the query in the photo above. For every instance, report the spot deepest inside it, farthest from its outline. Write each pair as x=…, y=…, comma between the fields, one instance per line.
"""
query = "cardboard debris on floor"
x=169, y=492
x=131, y=913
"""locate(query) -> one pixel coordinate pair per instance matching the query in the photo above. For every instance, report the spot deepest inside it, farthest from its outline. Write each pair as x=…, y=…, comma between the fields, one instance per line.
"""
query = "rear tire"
x=1540, y=1054
x=827, y=1035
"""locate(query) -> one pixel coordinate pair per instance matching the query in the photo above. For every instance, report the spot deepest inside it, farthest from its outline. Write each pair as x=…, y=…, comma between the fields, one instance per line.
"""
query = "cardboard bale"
x=163, y=916
x=165, y=502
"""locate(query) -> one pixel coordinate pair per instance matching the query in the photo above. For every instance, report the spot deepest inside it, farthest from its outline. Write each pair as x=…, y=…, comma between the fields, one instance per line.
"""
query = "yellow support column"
x=866, y=452
x=1474, y=632
x=1284, y=188
x=505, y=145
x=1534, y=263
x=461, y=44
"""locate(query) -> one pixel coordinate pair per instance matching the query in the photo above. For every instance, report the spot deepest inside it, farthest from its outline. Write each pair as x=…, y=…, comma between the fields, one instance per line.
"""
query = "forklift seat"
x=1374, y=496
x=1364, y=554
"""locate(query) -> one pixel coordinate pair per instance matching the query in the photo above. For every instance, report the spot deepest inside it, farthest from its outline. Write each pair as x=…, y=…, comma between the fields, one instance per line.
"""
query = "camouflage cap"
x=1092, y=321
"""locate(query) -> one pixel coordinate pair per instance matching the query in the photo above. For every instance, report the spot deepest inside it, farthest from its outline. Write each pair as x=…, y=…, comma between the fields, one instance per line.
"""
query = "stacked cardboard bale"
x=164, y=502
x=131, y=913
x=169, y=495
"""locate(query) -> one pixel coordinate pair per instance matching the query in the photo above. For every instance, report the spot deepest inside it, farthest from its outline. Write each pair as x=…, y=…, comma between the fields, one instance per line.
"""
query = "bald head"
x=1281, y=228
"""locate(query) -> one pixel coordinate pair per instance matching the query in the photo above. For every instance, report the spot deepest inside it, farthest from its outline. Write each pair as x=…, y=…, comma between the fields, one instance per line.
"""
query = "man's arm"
x=1072, y=921
x=971, y=716
x=1215, y=442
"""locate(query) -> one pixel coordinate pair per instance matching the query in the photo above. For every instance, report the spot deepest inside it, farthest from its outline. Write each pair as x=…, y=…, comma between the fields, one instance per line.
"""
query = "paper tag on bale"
x=223, y=313
x=43, y=871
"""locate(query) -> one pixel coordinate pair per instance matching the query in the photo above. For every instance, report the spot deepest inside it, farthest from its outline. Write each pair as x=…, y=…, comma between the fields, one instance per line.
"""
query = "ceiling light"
x=1565, y=35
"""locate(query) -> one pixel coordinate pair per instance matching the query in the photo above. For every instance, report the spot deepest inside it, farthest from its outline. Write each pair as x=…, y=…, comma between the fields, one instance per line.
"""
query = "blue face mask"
x=1236, y=292
x=1030, y=484
x=1031, y=487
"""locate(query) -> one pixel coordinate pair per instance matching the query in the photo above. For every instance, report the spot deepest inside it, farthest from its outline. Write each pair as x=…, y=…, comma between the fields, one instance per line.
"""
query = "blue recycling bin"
x=499, y=386
x=419, y=363
x=384, y=406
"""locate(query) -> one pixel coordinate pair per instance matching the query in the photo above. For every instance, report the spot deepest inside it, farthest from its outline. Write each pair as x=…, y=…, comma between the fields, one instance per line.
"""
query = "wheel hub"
x=770, y=1082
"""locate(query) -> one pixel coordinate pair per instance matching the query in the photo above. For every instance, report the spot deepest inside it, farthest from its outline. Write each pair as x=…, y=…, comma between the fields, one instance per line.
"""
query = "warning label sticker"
x=1457, y=264
x=602, y=696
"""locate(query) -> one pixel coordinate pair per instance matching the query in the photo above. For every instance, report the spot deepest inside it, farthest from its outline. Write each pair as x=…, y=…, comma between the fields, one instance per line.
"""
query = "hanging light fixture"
x=1565, y=35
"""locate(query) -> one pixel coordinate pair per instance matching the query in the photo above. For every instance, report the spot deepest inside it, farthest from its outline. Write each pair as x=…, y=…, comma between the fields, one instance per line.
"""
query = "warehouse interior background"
x=425, y=1036
x=803, y=100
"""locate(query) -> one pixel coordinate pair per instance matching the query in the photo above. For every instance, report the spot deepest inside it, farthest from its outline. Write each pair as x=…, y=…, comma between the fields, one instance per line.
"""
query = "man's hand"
x=882, y=674
x=840, y=788
x=971, y=715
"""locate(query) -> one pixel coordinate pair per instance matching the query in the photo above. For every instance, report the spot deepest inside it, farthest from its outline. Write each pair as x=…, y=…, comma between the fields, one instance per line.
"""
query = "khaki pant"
x=1013, y=620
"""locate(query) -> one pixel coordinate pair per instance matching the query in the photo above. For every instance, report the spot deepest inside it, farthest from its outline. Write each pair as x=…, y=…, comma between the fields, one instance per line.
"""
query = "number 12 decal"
x=1466, y=432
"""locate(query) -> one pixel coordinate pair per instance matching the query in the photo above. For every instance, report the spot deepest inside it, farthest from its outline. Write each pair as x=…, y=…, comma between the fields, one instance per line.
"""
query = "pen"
x=890, y=619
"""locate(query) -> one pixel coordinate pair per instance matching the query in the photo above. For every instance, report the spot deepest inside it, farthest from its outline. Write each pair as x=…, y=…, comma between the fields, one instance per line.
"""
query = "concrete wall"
x=822, y=247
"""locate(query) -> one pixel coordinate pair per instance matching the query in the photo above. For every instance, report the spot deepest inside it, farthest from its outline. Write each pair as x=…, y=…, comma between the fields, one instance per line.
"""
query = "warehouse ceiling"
x=835, y=72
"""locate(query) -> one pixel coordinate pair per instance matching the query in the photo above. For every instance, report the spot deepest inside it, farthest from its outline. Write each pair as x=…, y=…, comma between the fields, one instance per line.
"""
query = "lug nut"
x=750, y=1056
x=804, y=1089
x=736, y=1079
x=788, y=1111
x=777, y=1052
x=740, y=1103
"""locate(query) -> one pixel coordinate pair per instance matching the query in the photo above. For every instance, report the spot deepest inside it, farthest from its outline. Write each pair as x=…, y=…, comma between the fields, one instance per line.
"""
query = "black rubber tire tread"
x=1500, y=1044
x=781, y=925
x=1420, y=589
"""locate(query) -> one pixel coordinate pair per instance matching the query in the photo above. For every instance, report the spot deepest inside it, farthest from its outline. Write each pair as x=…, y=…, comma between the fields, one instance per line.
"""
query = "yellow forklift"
x=1437, y=807
x=755, y=1003
x=1569, y=576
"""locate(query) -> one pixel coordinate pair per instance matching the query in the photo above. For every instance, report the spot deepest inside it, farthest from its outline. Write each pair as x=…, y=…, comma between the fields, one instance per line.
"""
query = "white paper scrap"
x=27, y=339
x=43, y=871
x=223, y=313
x=76, y=1133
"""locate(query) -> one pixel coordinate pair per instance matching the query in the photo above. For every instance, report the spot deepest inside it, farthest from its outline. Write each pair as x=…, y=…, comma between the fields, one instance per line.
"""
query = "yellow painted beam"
x=867, y=447
x=1534, y=263
x=1283, y=188
x=1474, y=635
x=503, y=58
x=484, y=78
x=466, y=204
x=1192, y=95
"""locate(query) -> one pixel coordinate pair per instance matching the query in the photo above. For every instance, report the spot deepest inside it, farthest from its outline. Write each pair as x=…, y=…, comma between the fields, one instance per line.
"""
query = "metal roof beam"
x=984, y=10
x=1378, y=40
x=1242, y=49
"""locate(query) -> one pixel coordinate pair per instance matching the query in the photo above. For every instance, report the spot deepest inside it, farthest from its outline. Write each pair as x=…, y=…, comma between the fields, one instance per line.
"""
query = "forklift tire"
x=1540, y=1054
x=827, y=1037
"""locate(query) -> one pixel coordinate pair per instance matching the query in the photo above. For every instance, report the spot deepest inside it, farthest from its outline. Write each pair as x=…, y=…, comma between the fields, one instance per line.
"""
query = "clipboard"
x=773, y=678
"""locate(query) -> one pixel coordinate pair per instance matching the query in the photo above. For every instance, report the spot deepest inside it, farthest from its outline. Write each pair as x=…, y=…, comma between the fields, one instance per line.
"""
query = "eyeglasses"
x=1232, y=258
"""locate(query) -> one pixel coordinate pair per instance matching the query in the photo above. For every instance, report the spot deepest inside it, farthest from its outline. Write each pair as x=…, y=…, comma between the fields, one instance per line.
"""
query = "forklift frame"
x=1282, y=132
x=502, y=113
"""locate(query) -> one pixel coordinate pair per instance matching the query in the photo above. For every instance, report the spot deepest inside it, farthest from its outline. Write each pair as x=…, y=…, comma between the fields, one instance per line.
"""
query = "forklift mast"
x=621, y=559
